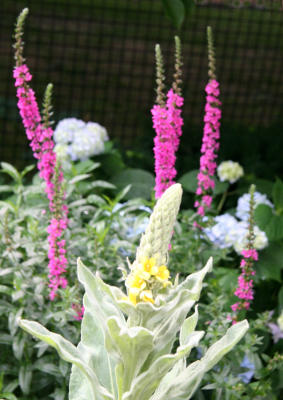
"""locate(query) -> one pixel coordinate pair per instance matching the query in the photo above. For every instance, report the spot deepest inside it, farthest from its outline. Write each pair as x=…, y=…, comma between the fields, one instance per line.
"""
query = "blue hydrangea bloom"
x=247, y=376
x=243, y=206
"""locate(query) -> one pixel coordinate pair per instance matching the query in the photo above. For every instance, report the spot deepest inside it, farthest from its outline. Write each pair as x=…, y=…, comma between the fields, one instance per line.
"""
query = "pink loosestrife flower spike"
x=211, y=136
x=41, y=142
x=244, y=290
x=167, y=123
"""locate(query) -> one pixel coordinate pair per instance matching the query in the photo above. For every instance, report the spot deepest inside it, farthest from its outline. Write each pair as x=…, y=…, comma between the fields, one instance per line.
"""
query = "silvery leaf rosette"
x=126, y=348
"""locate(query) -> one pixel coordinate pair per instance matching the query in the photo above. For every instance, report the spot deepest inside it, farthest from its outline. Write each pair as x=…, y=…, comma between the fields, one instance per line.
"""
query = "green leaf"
x=67, y=352
x=280, y=299
x=270, y=223
x=79, y=178
x=189, y=5
x=10, y=170
x=263, y=215
x=146, y=383
x=220, y=187
x=277, y=195
x=188, y=327
x=175, y=10
x=84, y=167
x=27, y=170
x=189, y=181
x=131, y=345
x=6, y=188
x=25, y=376
x=270, y=263
x=185, y=384
x=142, y=183
x=95, y=199
x=8, y=396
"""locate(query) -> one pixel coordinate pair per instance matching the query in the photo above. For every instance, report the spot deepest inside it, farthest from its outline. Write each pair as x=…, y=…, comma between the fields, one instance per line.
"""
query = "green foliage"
x=142, y=183
x=177, y=10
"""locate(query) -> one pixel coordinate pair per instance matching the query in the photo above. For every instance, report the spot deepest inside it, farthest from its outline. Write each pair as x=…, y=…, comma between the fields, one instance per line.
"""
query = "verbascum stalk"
x=127, y=349
x=155, y=241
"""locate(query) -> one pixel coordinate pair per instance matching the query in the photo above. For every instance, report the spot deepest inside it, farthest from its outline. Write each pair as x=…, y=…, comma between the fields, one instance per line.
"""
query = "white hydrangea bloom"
x=243, y=206
x=219, y=232
x=260, y=241
x=85, y=144
x=61, y=151
x=230, y=171
x=98, y=130
x=66, y=128
x=83, y=139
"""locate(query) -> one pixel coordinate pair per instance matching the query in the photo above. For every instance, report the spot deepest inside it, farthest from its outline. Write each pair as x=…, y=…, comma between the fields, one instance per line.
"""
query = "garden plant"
x=147, y=297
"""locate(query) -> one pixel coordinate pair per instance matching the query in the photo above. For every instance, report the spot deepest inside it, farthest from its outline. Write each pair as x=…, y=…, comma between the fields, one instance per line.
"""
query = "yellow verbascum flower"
x=143, y=278
x=146, y=296
x=149, y=265
x=163, y=273
x=135, y=281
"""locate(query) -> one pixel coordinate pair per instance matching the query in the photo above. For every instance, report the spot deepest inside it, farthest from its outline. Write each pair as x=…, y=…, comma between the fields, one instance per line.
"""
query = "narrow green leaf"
x=10, y=170
x=175, y=10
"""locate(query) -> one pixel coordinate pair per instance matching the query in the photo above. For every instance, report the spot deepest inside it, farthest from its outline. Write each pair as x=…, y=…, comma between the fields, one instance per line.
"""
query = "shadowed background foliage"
x=100, y=57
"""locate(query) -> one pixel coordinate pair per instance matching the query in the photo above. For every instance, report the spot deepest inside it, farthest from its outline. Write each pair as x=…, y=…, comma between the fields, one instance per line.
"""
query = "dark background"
x=99, y=54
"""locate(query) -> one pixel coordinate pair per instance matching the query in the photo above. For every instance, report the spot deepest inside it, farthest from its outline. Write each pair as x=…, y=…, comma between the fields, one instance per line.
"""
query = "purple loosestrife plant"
x=244, y=290
x=39, y=132
x=167, y=123
x=211, y=135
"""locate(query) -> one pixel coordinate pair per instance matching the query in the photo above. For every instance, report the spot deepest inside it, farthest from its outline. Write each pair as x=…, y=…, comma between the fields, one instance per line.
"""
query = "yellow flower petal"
x=149, y=265
x=133, y=298
x=146, y=295
x=163, y=273
x=135, y=281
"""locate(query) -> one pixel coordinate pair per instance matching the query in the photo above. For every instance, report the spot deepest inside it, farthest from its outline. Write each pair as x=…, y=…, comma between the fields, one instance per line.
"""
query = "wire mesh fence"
x=100, y=57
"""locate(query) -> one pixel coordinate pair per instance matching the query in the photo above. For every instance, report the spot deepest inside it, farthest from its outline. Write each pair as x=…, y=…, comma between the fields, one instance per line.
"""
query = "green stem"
x=222, y=201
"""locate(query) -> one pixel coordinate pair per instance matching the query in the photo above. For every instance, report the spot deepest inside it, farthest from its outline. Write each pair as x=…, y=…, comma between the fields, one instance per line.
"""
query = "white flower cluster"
x=230, y=232
x=230, y=171
x=79, y=140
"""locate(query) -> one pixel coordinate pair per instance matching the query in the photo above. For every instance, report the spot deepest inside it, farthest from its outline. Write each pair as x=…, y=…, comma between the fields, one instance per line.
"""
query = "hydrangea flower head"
x=98, y=130
x=83, y=140
x=230, y=171
x=229, y=232
x=242, y=211
x=66, y=128
x=218, y=234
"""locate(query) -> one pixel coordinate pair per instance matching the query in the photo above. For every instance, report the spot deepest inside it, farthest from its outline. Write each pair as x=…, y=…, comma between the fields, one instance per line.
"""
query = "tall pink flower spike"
x=244, y=290
x=211, y=136
x=40, y=137
x=167, y=123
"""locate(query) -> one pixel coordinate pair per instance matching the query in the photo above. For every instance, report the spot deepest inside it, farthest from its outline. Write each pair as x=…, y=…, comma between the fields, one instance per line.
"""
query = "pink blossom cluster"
x=79, y=310
x=244, y=290
x=209, y=148
x=42, y=145
x=167, y=123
